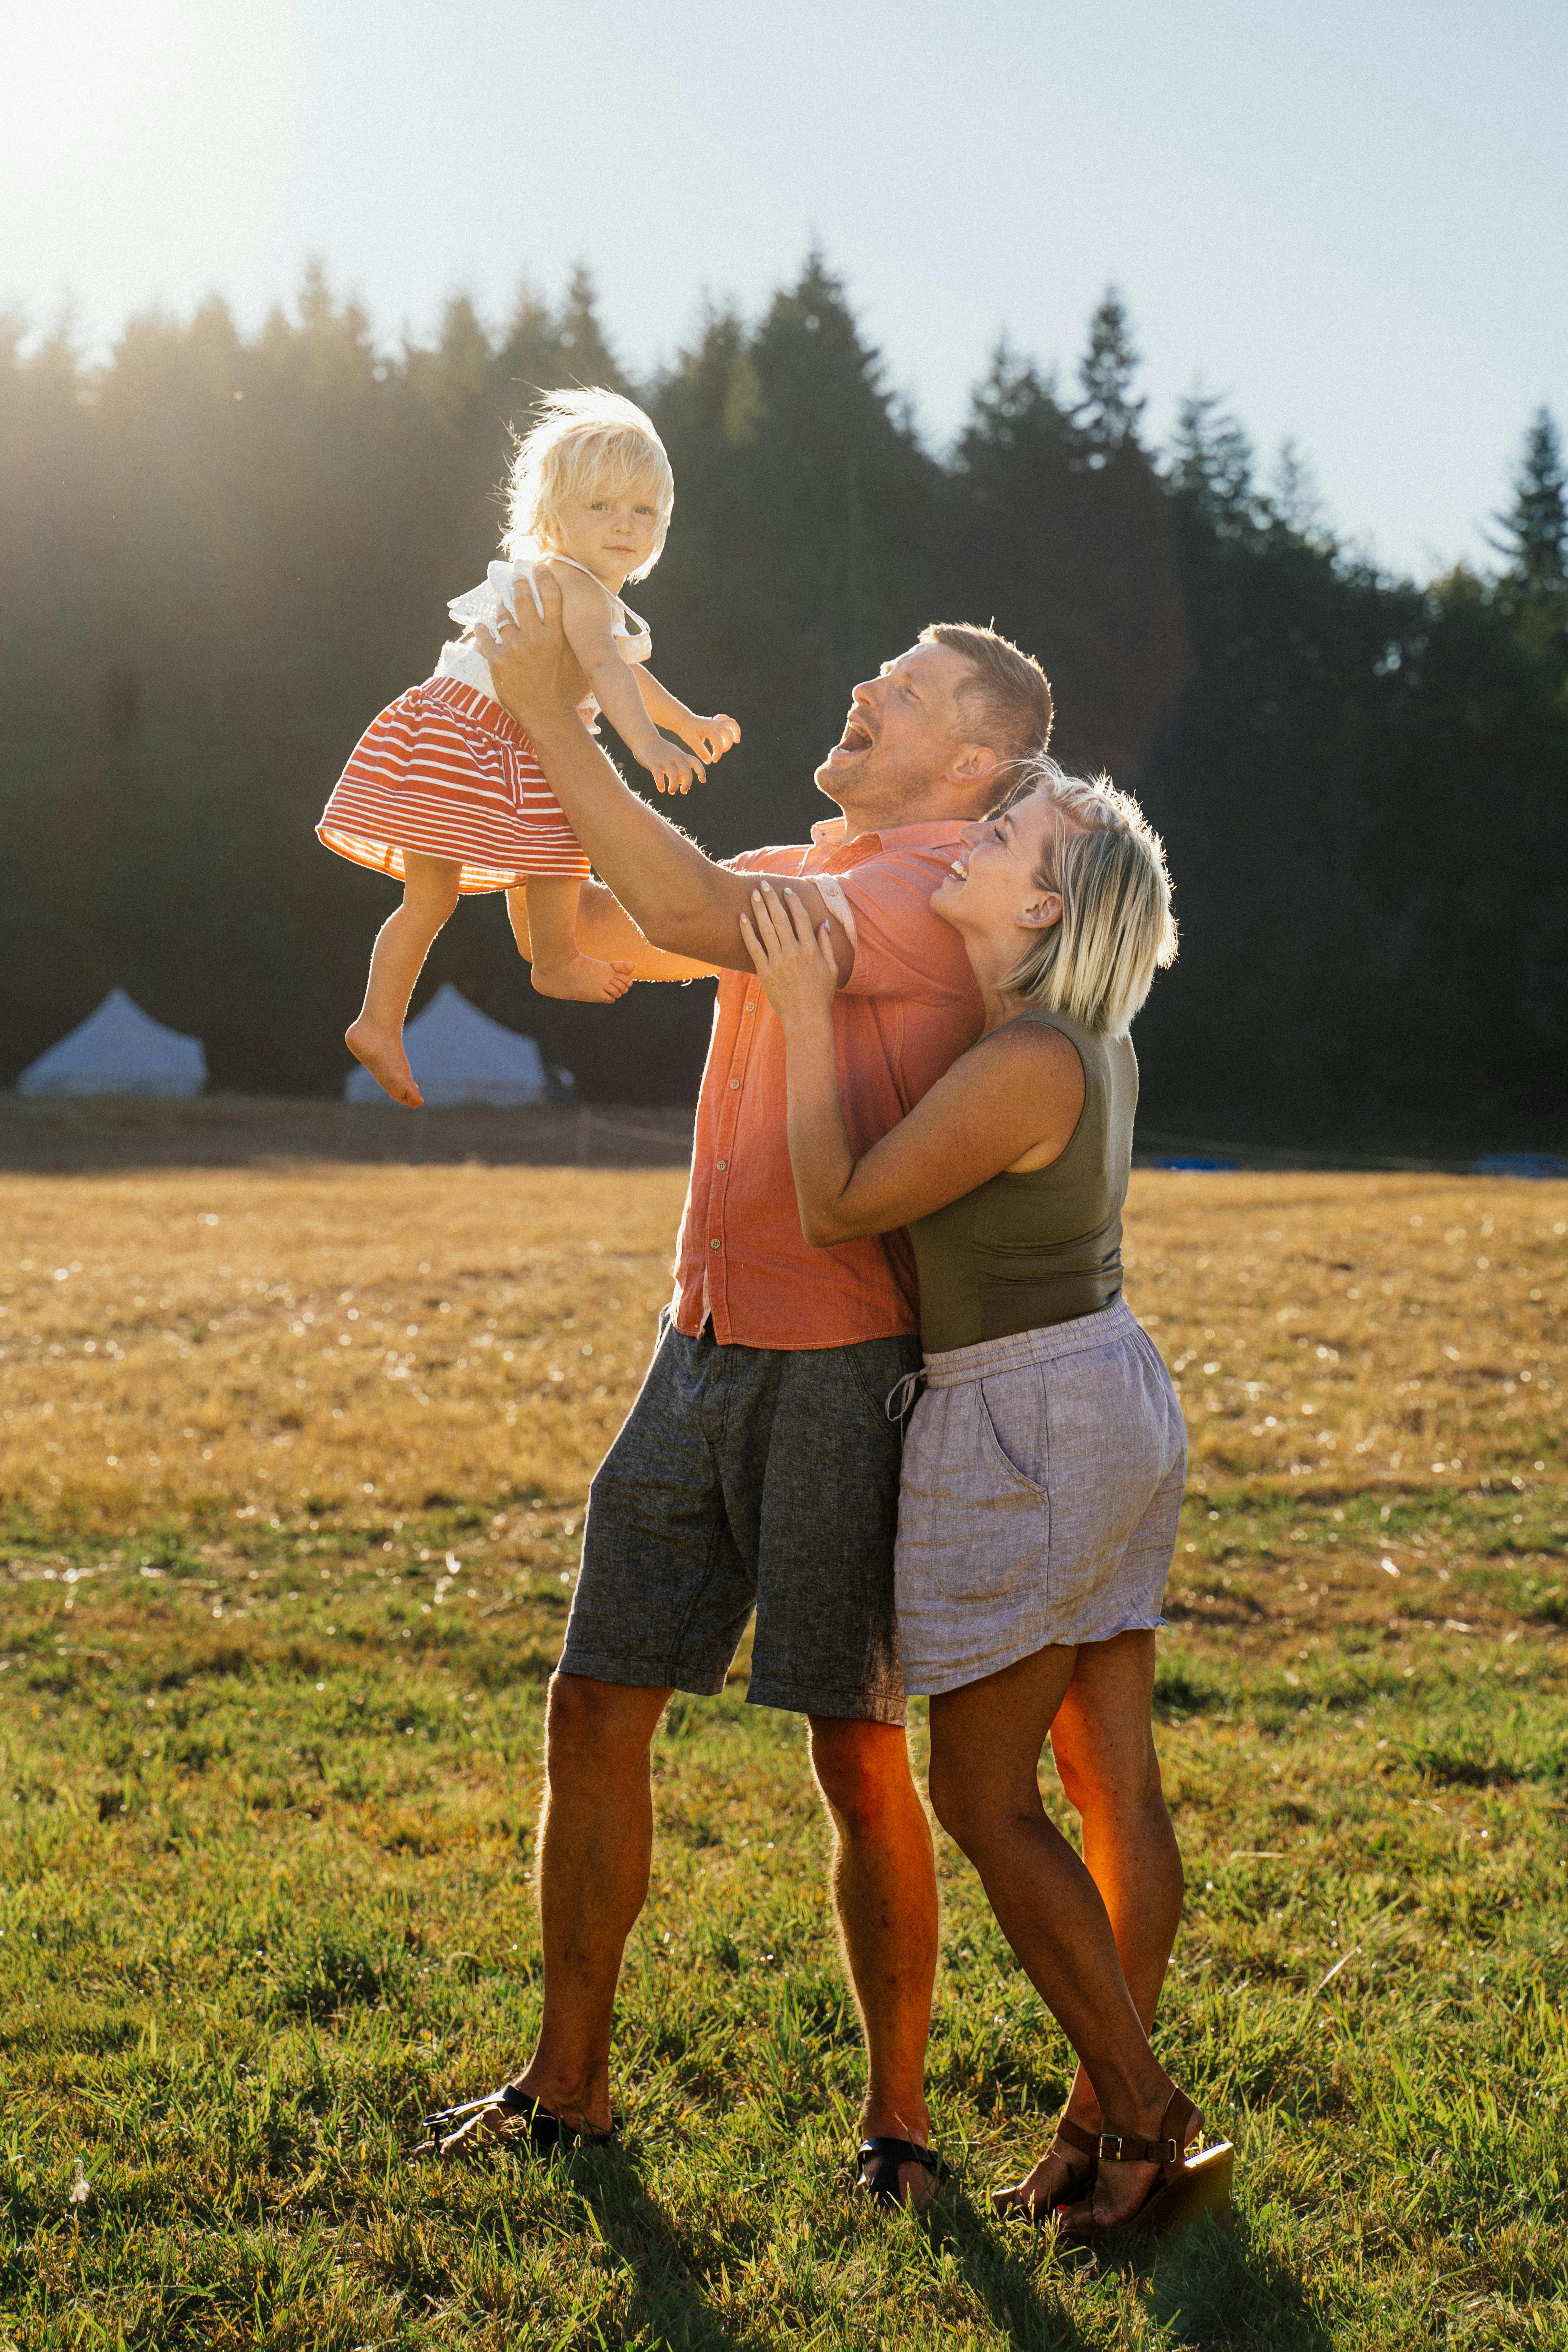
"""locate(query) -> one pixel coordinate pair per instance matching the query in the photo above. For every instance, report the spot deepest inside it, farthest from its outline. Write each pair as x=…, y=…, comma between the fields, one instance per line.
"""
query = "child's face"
x=610, y=532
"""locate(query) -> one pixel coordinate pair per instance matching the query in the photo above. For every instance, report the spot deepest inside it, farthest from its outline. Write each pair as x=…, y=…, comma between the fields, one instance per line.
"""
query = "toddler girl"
x=444, y=792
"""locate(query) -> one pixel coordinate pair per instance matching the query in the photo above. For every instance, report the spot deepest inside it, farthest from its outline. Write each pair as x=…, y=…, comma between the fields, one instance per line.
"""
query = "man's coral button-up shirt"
x=909, y=1008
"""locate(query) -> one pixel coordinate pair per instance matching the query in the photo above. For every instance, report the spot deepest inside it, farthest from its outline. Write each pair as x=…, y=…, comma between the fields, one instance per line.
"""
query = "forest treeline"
x=223, y=554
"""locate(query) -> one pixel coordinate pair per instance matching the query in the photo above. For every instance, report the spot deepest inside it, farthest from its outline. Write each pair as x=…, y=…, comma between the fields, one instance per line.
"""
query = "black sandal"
x=888, y=2155
x=538, y=2131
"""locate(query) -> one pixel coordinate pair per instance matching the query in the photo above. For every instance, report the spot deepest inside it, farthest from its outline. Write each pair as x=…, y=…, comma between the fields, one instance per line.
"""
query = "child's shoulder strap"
x=552, y=558
x=627, y=624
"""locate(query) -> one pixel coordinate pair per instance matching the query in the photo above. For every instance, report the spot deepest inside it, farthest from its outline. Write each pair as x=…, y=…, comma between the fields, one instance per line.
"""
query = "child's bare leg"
x=402, y=944
x=559, y=967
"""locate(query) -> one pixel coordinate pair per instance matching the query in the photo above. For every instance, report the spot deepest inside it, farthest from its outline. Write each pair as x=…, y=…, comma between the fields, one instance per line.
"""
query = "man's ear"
x=1042, y=912
x=971, y=764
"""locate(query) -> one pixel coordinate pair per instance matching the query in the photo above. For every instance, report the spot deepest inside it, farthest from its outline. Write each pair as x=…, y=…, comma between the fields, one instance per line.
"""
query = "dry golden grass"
x=278, y=1339
x=1341, y=1331
x=229, y=1338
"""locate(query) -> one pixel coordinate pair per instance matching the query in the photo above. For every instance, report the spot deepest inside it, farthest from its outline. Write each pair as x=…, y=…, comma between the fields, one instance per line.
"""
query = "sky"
x=1348, y=217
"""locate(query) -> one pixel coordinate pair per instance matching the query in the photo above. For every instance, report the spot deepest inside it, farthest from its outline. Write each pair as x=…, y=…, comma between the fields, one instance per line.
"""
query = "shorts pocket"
x=1013, y=1431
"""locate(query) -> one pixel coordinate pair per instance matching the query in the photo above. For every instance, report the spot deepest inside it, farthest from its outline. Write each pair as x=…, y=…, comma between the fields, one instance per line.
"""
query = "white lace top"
x=461, y=658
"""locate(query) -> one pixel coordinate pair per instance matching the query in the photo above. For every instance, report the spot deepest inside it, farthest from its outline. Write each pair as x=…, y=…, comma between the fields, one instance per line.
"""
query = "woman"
x=1046, y=1458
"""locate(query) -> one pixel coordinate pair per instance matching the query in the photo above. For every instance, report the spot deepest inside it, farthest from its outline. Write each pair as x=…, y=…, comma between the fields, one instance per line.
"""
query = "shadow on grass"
x=1211, y=2289
x=668, y=2302
x=1214, y=2288
x=1009, y=2270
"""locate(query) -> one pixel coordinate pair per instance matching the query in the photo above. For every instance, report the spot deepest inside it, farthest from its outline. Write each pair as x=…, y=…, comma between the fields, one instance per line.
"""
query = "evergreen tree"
x=1535, y=527
x=1211, y=466
x=1294, y=503
x=1066, y=544
x=1108, y=414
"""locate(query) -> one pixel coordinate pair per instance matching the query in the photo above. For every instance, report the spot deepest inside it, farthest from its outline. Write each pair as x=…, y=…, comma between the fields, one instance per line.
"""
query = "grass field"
x=293, y=1462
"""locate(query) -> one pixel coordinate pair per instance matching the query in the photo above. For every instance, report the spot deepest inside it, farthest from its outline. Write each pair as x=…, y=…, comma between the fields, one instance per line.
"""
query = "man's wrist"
x=543, y=718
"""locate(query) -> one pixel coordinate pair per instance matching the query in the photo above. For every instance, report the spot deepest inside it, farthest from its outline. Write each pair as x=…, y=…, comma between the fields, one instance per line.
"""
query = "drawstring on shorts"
x=902, y=1395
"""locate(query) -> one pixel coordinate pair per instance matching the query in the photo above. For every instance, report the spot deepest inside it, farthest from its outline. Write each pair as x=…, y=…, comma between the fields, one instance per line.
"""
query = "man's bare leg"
x=402, y=944
x=595, y=1841
x=560, y=967
x=884, y=1890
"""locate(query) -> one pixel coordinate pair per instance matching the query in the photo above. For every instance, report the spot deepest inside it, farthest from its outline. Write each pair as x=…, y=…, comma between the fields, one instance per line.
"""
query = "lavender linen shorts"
x=1040, y=1496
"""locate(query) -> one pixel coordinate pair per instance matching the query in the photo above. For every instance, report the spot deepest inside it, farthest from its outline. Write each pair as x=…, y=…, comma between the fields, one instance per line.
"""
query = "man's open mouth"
x=855, y=738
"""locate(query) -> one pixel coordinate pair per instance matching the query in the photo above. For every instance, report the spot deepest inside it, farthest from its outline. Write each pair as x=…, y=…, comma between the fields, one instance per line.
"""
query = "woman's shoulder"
x=1037, y=1039
x=1099, y=1055
x=1016, y=1062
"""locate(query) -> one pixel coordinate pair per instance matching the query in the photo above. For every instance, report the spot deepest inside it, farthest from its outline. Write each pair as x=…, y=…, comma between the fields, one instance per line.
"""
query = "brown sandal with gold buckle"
x=1080, y=2178
x=1188, y=2189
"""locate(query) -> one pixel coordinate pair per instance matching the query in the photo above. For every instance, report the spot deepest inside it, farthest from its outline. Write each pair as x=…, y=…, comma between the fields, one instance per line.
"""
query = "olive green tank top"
x=1020, y=1251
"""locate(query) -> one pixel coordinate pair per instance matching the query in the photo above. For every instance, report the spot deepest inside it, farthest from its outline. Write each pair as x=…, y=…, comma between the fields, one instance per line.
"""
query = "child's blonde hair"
x=584, y=442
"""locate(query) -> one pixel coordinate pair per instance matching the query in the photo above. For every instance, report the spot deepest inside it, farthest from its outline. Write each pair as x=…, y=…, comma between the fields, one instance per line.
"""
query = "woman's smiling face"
x=992, y=892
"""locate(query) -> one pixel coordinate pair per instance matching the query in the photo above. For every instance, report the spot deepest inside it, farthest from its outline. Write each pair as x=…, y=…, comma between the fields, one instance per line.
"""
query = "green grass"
x=264, y=1854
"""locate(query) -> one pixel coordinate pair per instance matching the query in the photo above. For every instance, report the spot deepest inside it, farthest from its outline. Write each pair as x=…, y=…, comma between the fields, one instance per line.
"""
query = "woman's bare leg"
x=1104, y=1746
x=560, y=969
x=986, y=1742
x=402, y=944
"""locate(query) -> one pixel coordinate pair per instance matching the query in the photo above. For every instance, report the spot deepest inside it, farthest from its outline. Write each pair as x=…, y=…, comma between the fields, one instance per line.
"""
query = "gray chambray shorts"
x=1042, y=1488
x=742, y=1478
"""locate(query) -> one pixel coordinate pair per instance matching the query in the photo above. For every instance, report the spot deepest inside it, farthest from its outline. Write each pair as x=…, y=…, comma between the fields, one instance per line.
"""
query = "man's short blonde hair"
x=584, y=444
x=1006, y=702
x=1098, y=963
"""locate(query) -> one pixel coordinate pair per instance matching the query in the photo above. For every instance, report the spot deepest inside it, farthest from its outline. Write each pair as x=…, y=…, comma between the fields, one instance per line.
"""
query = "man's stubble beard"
x=875, y=798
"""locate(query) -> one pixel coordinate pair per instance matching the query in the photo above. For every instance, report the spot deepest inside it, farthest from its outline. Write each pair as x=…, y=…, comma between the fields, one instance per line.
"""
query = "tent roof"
x=459, y=1055
x=118, y=1049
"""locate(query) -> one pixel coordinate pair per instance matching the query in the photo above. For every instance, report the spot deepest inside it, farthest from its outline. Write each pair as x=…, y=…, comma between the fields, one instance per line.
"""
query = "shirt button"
x=721, y=1164
x=712, y=1245
x=734, y=1085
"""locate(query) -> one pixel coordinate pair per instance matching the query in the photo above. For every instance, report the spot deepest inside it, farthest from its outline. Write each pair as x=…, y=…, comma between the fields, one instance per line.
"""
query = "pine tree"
x=1108, y=414
x=1535, y=527
x=581, y=339
x=1012, y=409
x=1211, y=465
x=1294, y=502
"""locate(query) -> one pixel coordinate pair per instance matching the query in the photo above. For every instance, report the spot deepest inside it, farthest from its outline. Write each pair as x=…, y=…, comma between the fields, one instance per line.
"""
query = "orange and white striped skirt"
x=447, y=771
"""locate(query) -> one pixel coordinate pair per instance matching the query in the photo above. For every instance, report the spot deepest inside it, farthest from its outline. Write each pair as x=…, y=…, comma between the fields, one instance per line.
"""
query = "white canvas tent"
x=459, y=1055
x=119, y=1050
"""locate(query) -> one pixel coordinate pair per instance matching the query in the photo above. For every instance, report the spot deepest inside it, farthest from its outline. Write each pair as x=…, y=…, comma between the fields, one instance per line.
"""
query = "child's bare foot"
x=383, y=1055
x=586, y=980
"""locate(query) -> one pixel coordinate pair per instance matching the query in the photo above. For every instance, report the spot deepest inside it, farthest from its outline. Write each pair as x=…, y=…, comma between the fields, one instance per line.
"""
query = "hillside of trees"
x=223, y=555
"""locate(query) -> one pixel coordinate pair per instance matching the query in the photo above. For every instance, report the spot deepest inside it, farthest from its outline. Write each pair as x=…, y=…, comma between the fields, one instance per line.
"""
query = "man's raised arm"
x=678, y=897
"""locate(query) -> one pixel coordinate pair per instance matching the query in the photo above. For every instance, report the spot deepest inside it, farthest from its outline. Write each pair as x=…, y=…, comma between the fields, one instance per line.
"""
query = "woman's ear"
x=1042, y=912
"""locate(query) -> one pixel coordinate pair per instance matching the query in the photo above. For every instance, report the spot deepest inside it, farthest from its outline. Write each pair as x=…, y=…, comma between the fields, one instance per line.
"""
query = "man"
x=758, y=1466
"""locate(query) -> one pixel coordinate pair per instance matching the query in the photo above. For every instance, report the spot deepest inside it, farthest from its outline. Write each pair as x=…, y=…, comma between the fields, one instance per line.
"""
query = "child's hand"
x=672, y=770
x=713, y=737
x=797, y=967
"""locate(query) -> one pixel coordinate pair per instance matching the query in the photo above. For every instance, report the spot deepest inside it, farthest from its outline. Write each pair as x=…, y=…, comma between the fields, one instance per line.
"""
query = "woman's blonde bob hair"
x=1098, y=963
x=581, y=445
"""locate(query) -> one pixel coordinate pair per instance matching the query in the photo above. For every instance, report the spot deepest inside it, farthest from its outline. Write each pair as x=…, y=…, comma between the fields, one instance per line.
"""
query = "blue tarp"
x=1538, y=1165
